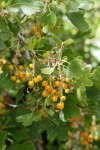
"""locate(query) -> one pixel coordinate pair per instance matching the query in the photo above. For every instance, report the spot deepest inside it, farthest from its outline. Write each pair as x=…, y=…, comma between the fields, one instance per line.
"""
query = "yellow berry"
x=67, y=80
x=28, y=74
x=63, y=98
x=67, y=91
x=35, y=29
x=31, y=66
x=49, y=88
x=18, y=81
x=54, y=91
x=31, y=83
x=13, y=78
x=21, y=74
x=64, y=86
x=36, y=80
x=11, y=67
x=54, y=98
x=39, y=77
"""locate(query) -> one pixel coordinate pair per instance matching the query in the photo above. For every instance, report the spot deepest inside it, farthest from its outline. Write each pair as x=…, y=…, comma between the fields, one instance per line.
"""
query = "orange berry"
x=35, y=29
x=45, y=93
x=2, y=106
x=28, y=74
x=49, y=88
x=13, y=78
x=57, y=84
x=44, y=83
x=85, y=134
x=64, y=86
x=58, y=93
x=63, y=98
x=31, y=66
x=39, y=77
x=18, y=81
x=11, y=67
x=54, y=98
x=60, y=106
x=21, y=74
x=31, y=83
x=21, y=68
x=24, y=78
x=89, y=139
x=67, y=80
x=54, y=91
x=67, y=91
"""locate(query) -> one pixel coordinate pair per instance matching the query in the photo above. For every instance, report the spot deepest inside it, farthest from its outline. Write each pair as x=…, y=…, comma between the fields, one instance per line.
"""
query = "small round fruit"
x=35, y=29
x=45, y=93
x=2, y=106
x=18, y=81
x=64, y=86
x=28, y=74
x=37, y=35
x=21, y=68
x=39, y=77
x=44, y=83
x=31, y=83
x=21, y=74
x=31, y=66
x=54, y=91
x=54, y=98
x=63, y=98
x=60, y=106
x=69, y=86
x=57, y=84
x=67, y=91
x=35, y=80
x=67, y=80
x=13, y=78
x=49, y=88
x=11, y=67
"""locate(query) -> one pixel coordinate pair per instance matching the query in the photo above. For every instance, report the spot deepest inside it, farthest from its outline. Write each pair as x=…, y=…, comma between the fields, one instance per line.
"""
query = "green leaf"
x=30, y=7
x=1, y=45
x=25, y=146
x=67, y=42
x=3, y=137
x=56, y=40
x=5, y=82
x=73, y=6
x=78, y=20
x=75, y=69
x=21, y=135
x=19, y=94
x=96, y=78
x=52, y=19
x=47, y=70
x=70, y=109
x=27, y=119
x=86, y=4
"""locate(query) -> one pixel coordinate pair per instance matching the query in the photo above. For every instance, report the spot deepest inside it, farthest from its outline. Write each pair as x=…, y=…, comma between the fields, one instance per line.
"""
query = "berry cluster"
x=38, y=30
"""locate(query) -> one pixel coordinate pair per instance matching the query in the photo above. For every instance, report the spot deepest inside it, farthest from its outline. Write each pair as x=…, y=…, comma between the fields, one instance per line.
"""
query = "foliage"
x=47, y=87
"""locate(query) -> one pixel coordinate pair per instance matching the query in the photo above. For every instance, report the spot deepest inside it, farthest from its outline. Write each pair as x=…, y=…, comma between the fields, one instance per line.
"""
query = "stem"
x=37, y=145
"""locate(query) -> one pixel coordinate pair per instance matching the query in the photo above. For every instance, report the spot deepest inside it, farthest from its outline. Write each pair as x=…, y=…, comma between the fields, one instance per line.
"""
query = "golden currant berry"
x=35, y=29
x=63, y=98
x=21, y=68
x=45, y=93
x=28, y=74
x=54, y=91
x=39, y=77
x=67, y=80
x=13, y=78
x=31, y=66
x=57, y=84
x=21, y=74
x=11, y=67
x=49, y=88
x=69, y=86
x=53, y=78
x=54, y=98
x=16, y=74
x=44, y=83
x=24, y=78
x=31, y=83
x=67, y=91
x=60, y=106
x=36, y=80
x=18, y=81
x=58, y=94
x=64, y=86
